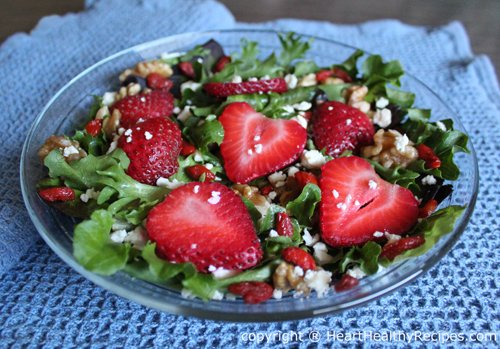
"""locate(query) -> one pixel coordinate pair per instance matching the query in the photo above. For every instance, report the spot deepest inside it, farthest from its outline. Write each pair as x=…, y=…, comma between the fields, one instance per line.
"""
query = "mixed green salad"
x=255, y=176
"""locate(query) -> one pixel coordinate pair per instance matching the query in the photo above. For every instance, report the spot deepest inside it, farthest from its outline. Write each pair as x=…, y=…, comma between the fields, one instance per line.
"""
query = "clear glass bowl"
x=67, y=110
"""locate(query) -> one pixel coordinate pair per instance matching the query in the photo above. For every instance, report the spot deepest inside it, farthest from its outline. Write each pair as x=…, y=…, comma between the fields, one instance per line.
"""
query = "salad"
x=228, y=176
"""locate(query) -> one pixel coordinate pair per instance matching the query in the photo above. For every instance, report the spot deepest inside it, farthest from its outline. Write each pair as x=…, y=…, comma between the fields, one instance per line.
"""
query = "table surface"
x=480, y=17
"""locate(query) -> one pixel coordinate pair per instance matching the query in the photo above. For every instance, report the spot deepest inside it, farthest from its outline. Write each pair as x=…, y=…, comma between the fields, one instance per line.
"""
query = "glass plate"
x=67, y=110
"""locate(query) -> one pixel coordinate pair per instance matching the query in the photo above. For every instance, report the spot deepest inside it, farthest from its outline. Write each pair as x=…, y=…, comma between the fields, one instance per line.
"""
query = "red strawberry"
x=221, y=63
x=157, y=103
x=206, y=224
x=323, y=74
x=157, y=81
x=427, y=154
x=225, y=89
x=255, y=145
x=426, y=210
x=356, y=203
x=393, y=249
x=253, y=292
x=187, y=69
x=341, y=74
x=304, y=178
x=152, y=147
x=338, y=127
x=57, y=194
x=284, y=225
x=196, y=171
x=266, y=190
x=187, y=148
x=299, y=257
x=94, y=127
x=346, y=283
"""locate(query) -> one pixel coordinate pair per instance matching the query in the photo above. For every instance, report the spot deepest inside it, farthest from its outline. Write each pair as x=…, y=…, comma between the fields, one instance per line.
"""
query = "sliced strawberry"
x=152, y=147
x=323, y=74
x=221, y=63
x=255, y=145
x=93, y=127
x=187, y=148
x=253, y=292
x=393, y=249
x=157, y=81
x=187, y=69
x=284, y=225
x=426, y=210
x=299, y=257
x=341, y=74
x=206, y=224
x=356, y=203
x=225, y=89
x=157, y=103
x=57, y=194
x=338, y=127
x=427, y=154
x=304, y=178
x=196, y=171
x=346, y=283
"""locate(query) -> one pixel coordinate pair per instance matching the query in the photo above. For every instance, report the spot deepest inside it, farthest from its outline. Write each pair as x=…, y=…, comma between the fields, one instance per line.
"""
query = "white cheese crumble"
x=209, y=166
x=273, y=233
x=292, y=171
x=70, y=151
x=301, y=120
x=136, y=237
x=319, y=281
x=185, y=293
x=277, y=293
x=308, y=239
x=89, y=194
x=342, y=206
x=298, y=271
x=148, y=135
x=184, y=114
x=197, y=157
x=357, y=203
x=276, y=177
x=118, y=236
x=196, y=189
x=215, y=198
x=348, y=122
x=128, y=132
x=378, y=234
x=312, y=159
x=356, y=272
x=288, y=108
x=194, y=246
x=165, y=182
x=429, y=180
x=176, y=110
x=321, y=254
x=372, y=184
x=291, y=80
x=258, y=148
x=382, y=102
x=237, y=79
x=335, y=194
x=253, y=78
x=249, y=151
x=280, y=184
x=190, y=84
x=441, y=126
x=402, y=142
x=108, y=98
x=272, y=195
x=265, y=77
x=302, y=106
x=308, y=80
x=391, y=237
x=129, y=139
x=217, y=296
x=256, y=138
x=383, y=117
x=221, y=273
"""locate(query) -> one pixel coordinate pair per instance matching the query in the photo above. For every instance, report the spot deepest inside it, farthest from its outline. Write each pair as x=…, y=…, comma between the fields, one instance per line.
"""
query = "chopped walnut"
x=286, y=278
x=252, y=194
x=333, y=81
x=70, y=149
x=288, y=192
x=308, y=80
x=391, y=149
x=355, y=94
x=111, y=124
x=143, y=69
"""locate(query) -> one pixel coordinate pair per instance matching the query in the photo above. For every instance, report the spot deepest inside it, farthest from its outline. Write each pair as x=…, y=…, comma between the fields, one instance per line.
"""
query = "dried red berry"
x=196, y=171
x=284, y=225
x=221, y=63
x=93, y=128
x=57, y=194
x=187, y=69
x=346, y=283
x=266, y=190
x=187, y=148
x=393, y=249
x=341, y=74
x=427, y=154
x=426, y=210
x=303, y=178
x=253, y=292
x=323, y=74
x=157, y=81
x=299, y=257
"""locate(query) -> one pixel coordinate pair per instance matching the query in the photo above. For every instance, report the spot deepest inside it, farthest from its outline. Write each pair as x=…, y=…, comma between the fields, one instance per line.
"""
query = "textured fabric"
x=44, y=303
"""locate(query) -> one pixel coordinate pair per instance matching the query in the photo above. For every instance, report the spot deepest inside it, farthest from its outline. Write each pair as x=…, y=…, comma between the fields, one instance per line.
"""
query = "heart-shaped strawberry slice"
x=356, y=204
x=255, y=145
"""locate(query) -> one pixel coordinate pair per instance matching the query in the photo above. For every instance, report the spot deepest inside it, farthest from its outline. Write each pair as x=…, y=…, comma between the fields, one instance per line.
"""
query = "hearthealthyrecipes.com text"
x=366, y=336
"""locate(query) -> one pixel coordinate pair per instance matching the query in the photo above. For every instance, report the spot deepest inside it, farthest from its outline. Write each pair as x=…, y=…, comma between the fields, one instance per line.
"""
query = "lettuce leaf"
x=366, y=257
x=304, y=205
x=292, y=48
x=350, y=65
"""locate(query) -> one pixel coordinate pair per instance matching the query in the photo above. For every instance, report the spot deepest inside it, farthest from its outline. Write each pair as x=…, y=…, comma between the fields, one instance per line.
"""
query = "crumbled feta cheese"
x=194, y=246
x=402, y=142
x=184, y=114
x=108, y=98
x=378, y=234
x=335, y=194
x=237, y=79
x=165, y=182
x=356, y=272
x=330, y=108
x=298, y=271
x=176, y=110
x=265, y=77
x=215, y=198
x=308, y=80
x=288, y=108
x=292, y=171
x=382, y=102
x=185, y=293
x=209, y=166
x=348, y=198
x=249, y=151
x=277, y=293
x=217, y=296
x=301, y=120
x=342, y=206
x=312, y=159
x=441, y=126
x=429, y=180
x=308, y=239
x=272, y=195
x=383, y=117
x=321, y=254
x=118, y=236
x=190, y=84
x=253, y=78
x=143, y=99
x=280, y=184
x=291, y=81
x=256, y=138
x=196, y=189
x=357, y=203
x=137, y=237
x=372, y=184
x=70, y=151
x=128, y=132
x=276, y=177
x=121, y=130
x=273, y=233
x=319, y=281
x=302, y=106
x=119, y=225
x=148, y=135
x=211, y=268
x=391, y=237
x=348, y=122
x=197, y=156
x=221, y=273
x=89, y=194
x=258, y=148
x=129, y=139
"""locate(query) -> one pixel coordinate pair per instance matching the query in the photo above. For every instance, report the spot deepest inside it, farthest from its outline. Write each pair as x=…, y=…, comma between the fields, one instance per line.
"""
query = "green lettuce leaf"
x=376, y=71
x=304, y=205
x=267, y=222
x=292, y=48
x=350, y=65
x=334, y=92
x=365, y=257
x=210, y=132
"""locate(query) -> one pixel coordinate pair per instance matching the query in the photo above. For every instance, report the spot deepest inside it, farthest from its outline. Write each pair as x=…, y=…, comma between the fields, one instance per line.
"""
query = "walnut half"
x=70, y=149
x=391, y=149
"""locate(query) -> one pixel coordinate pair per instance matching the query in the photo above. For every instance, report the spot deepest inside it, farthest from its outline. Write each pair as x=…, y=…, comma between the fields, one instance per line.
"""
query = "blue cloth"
x=44, y=303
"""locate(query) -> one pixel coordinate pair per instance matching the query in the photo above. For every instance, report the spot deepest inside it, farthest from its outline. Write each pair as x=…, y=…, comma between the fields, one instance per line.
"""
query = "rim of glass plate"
x=122, y=291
